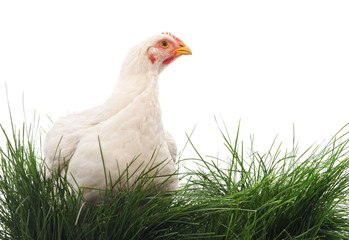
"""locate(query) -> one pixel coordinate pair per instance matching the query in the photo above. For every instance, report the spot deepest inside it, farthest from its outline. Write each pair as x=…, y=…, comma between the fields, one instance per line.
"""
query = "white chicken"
x=127, y=126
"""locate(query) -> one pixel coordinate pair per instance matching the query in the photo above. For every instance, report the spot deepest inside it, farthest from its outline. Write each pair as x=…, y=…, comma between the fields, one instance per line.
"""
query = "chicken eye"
x=164, y=44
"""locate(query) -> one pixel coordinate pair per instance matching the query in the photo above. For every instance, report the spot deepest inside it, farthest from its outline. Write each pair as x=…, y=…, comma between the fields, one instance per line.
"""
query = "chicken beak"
x=182, y=50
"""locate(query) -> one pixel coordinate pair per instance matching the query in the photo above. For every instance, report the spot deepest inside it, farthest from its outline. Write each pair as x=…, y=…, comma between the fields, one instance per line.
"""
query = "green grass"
x=276, y=195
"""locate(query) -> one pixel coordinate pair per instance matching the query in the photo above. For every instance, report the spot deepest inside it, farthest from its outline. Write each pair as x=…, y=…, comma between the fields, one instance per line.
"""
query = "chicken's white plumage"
x=127, y=125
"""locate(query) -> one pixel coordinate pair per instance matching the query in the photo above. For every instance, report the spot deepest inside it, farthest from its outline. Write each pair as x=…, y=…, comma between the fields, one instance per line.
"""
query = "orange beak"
x=182, y=50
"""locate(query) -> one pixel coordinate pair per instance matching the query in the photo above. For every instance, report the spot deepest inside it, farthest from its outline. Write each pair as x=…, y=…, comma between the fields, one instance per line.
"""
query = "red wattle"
x=169, y=60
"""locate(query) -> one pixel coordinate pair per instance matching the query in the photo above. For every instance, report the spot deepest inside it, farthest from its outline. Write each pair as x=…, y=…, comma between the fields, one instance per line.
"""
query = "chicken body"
x=127, y=126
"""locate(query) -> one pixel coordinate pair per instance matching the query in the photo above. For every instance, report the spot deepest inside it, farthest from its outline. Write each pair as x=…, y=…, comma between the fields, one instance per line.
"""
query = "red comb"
x=176, y=38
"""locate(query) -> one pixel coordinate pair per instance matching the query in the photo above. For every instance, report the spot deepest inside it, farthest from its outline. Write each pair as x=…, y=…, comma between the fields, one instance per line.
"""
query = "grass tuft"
x=276, y=195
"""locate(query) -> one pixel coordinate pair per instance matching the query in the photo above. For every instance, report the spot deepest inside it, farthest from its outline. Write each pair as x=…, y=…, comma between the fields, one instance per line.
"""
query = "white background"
x=271, y=64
